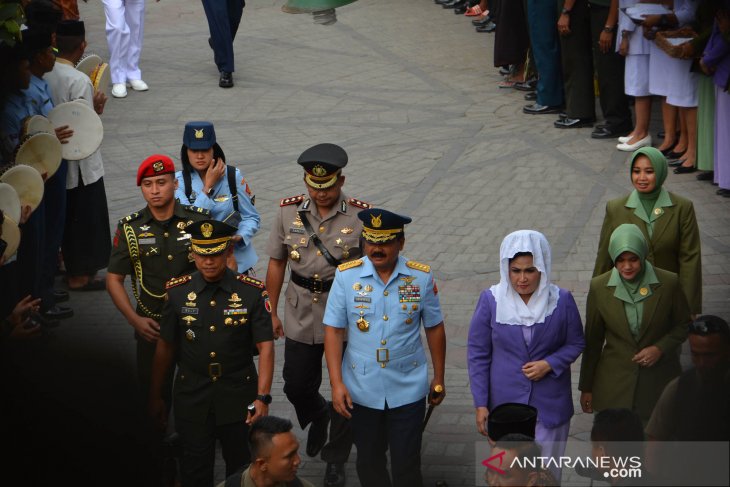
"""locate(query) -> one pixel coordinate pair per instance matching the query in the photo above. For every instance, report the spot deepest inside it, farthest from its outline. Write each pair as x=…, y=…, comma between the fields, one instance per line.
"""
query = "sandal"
x=474, y=11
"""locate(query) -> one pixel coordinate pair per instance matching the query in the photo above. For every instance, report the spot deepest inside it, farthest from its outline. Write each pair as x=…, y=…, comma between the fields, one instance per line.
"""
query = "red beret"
x=155, y=165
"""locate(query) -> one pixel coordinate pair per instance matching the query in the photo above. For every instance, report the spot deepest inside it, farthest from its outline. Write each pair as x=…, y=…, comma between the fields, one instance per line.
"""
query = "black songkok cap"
x=511, y=417
x=71, y=28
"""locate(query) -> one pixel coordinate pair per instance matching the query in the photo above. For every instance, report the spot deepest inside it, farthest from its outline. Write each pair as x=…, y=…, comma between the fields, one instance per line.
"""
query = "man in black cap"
x=313, y=235
x=211, y=321
x=381, y=382
x=86, y=241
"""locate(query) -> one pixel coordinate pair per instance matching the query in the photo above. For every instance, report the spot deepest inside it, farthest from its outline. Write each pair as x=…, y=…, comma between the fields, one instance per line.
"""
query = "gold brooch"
x=362, y=324
x=643, y=291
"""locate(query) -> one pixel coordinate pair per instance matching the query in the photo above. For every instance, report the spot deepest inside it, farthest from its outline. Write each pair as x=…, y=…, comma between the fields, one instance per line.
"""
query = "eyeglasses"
x=706, y=327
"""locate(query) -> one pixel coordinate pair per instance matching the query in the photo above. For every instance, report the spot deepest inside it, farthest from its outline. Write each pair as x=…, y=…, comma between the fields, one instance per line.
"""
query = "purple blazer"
x=496, y=353
x=717, y=55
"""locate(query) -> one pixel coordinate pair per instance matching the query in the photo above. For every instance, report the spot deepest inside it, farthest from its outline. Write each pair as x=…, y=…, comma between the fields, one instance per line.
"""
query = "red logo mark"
x=488, y=462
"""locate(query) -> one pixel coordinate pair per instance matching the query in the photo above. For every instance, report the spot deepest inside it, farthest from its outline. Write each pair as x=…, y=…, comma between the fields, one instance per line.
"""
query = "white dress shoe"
x=623, y=140
x=119, y=90
x=626, y=147
x=137, y=85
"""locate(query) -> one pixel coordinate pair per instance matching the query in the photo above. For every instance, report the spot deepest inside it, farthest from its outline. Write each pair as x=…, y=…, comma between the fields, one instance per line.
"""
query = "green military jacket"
x=606, y=367
x=215, y=327
x=153, y=252
x=674, y=245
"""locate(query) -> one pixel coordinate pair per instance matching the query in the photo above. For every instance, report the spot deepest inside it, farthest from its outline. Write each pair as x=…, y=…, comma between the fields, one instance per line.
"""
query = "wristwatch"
x=565, y=11
x=609, y=29
x=208, y=193
x=264, y=398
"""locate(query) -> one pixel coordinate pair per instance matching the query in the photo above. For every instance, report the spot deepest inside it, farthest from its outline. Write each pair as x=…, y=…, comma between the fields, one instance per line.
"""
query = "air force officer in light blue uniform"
x=378, y=303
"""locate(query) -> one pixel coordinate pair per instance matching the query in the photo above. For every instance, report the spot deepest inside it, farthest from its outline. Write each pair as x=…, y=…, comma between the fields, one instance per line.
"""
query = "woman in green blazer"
x=667, y=221
x=636, y=320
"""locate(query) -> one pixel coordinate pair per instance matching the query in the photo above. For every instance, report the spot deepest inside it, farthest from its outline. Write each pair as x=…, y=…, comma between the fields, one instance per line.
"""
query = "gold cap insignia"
x=643, y=291
x=206, y=229
x=192, y=296
x=158, y=166
x=199, y=134
x=376, y=221
x=319, y=171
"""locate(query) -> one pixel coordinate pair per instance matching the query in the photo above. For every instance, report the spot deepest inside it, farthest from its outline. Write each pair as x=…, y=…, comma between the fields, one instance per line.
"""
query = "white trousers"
x=124, y=32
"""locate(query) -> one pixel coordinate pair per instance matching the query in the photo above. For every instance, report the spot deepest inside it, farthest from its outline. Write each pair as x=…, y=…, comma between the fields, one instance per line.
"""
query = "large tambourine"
x=42, y=151
x=101, y=78
x=87, y=127
x=9, y=201
x=11, y=235
x=87, y=63
x=36, y=123
x=27, y=182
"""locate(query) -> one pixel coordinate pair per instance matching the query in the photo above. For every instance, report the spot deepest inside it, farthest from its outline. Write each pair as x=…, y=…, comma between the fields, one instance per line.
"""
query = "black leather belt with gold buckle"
x=314, y=284
x=215, y=370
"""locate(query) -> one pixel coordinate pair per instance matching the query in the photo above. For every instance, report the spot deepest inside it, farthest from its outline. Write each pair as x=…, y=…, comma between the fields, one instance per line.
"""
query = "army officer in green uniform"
x=152, y=246
x=211, y=322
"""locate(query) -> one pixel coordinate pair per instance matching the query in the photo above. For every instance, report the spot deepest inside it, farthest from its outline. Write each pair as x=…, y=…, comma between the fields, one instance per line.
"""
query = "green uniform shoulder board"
x=195, y=209
x=176, y=281
x=292, y=200
x=359, y=204
x=418, y=266
x=350, y=265
x=129, y=218
x=250, y=281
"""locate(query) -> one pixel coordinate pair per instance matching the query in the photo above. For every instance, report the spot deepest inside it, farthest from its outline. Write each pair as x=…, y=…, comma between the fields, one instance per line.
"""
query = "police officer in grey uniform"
x=313, y=234
x=211, y=322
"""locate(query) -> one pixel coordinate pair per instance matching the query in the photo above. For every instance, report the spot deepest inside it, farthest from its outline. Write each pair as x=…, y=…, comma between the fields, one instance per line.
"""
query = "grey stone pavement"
x=408, y=89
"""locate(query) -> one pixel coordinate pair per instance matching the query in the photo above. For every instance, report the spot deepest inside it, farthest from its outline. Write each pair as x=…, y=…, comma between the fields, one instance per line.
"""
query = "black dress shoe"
x=671, y=155
x=481, y=21
x=453, y=4
x=317, y=436
x=46, y=322
x=226, y=80
x=532, y=96
x=684, y=169
x=562, y=116
x=489, y=28
x=723, y=192
x=529, y=85
x=59, y=296
x=667, y=151
x=537, y=109
x=504, y=70
x=706, y=176
x=675, y=163
x=573, y=123
x=609, y=132
x=334, y=475
x=460, y=9
x=57, y=312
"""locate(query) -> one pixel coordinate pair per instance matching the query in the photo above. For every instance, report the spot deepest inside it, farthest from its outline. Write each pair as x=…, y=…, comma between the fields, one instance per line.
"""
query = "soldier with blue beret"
x=211, y=322
x=381, y=382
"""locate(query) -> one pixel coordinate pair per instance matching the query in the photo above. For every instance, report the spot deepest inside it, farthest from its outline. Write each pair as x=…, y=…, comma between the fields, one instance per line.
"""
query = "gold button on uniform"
x=215, y=379
x=385, y=317
x=385, y=293
x=166, y=234
x=212, y=303
x=169, y=257
x=383, y=342
x=212, y=354
x=321, y=229
x=315, y=299
x=212, y=327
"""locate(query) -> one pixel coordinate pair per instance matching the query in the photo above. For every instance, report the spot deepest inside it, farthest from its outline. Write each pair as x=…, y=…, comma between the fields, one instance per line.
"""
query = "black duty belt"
x=314, y=284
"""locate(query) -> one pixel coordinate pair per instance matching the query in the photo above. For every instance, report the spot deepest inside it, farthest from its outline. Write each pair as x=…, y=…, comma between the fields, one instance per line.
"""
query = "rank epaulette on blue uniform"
x=250, y=281
x=350, y=265
x=176, y=281
x=292, y=200
x=359, y=204
x=129, y=218
x=195, y=209
x=418, y=266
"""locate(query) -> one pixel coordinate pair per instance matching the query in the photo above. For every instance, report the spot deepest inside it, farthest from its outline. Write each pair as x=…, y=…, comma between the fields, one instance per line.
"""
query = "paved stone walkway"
x=407, y=88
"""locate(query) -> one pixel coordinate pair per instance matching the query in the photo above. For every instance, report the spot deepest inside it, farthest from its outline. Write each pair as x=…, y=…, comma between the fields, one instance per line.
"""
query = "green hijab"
x=645, y=203
x=628, y=238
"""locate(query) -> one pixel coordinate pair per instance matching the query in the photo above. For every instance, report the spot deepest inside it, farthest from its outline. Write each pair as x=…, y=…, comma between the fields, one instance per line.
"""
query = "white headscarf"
x=511, y=309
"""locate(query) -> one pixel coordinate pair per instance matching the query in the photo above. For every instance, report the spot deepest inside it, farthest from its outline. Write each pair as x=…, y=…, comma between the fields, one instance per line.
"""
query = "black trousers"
x=302, y=379
x=198, y=441
x=377, y=430
x=224, y=17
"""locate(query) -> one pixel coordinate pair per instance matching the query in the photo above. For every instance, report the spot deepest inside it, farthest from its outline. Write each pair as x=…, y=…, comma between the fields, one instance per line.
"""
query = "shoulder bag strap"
x=317, y=242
